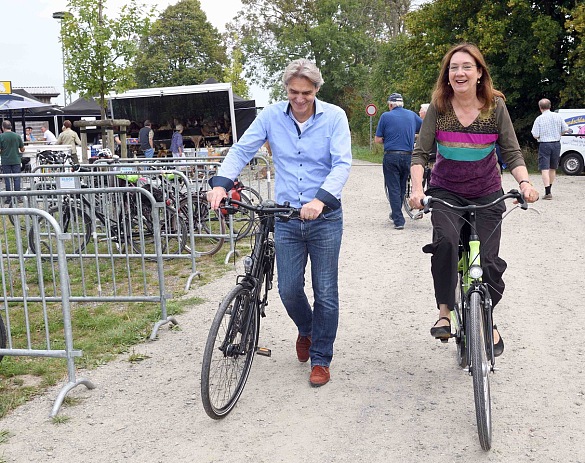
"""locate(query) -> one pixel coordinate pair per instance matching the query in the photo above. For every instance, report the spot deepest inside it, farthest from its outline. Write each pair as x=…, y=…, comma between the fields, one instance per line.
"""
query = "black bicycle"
x=233, y=336
x=471, y=320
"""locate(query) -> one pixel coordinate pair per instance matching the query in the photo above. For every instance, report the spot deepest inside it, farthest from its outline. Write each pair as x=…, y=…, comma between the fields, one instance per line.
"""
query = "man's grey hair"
x=303, y=68
x=544, y=104
x=396, y=104
x=6, y=125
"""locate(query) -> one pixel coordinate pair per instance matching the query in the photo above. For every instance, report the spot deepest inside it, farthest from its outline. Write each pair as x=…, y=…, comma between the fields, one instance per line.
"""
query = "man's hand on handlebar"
x=312, y=209
x=215, y=196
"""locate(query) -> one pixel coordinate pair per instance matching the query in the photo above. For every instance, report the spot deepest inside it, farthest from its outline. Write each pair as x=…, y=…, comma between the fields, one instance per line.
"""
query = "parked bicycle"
x=415, y=213
x=471, y=320
x=234, y=333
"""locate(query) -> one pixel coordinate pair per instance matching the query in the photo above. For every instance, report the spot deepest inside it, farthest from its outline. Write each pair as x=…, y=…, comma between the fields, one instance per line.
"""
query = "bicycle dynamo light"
x=475, y=272
x=247, y=264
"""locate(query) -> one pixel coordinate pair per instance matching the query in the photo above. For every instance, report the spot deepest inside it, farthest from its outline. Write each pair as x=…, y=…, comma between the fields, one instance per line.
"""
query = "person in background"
x=49, y=136
x=29, y=137
x=177, y=142
x=70, y=137
x=467, y=117
x=396, y=130
x=146, y=139
x=548, y=128
x=311, y=150
x=11, y=149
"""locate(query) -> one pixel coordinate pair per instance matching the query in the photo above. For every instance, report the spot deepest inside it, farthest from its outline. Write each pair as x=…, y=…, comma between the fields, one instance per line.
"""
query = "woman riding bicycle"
x=466, y=118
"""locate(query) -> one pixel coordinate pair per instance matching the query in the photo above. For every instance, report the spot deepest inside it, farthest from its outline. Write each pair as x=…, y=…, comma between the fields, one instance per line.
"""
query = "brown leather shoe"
x=319, y=376
x=303, y=344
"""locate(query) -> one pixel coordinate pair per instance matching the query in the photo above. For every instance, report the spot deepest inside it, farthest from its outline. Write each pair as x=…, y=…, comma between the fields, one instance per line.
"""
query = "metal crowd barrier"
x=116, y=264
x=23, y=285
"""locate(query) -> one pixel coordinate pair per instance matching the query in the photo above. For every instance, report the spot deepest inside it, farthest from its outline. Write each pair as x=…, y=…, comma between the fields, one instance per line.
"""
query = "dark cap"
x=395, y=97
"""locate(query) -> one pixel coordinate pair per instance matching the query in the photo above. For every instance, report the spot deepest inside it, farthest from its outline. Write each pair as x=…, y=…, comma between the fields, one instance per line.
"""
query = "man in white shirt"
x=49, y=136
x=548, y=129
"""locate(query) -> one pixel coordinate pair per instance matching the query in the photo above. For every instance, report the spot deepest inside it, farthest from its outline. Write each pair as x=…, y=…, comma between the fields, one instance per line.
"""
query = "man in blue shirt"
x=396, y=129
x=311, y=150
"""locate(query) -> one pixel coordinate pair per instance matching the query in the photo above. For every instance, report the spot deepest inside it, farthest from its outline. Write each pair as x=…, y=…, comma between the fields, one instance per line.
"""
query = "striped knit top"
x=466, y=162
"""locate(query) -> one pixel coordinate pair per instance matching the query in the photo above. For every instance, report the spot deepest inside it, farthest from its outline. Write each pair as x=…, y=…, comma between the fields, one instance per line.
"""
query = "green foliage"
x=342, y=37
x=533, y=49
x=234, y=73
x=99, y=50
x=181, y=48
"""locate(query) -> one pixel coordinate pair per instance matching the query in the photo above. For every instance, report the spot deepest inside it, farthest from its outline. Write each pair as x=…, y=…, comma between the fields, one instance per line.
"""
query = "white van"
x=573, y=144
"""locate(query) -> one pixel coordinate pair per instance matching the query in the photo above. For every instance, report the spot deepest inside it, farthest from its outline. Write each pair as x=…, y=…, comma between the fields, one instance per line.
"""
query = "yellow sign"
x=5, y=87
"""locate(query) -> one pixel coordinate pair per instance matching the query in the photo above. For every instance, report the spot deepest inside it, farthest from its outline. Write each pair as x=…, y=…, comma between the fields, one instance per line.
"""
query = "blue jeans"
x=149, y=153
x=319, y=240
x=396, y=168
x=12, y=184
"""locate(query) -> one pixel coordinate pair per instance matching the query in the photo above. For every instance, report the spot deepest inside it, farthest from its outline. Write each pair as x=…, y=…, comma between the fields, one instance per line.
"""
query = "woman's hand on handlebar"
x=529, y=192
x=415, y=200
x=215, y=196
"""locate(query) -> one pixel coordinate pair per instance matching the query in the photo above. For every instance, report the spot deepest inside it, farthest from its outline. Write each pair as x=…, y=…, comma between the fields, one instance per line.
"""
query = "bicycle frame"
x=469, y=259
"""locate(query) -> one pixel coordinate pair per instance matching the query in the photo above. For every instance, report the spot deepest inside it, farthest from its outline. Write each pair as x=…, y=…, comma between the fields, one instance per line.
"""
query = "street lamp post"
x=60, y=15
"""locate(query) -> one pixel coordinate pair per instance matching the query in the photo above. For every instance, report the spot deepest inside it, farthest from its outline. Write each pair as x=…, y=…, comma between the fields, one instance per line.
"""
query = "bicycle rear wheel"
x=208, y=225
x=73, y=220
x=480, y=369
x=243, y=219
x=228, y=355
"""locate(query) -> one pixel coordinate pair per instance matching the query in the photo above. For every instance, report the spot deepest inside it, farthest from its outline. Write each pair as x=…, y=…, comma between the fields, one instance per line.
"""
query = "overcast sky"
x=31, y=51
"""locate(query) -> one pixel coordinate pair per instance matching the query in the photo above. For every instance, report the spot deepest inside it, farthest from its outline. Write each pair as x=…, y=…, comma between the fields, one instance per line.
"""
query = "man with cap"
x=396, y=130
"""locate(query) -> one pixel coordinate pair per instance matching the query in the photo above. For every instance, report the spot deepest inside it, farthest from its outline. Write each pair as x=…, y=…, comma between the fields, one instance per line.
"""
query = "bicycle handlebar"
x=512, y=194
x=267, y=207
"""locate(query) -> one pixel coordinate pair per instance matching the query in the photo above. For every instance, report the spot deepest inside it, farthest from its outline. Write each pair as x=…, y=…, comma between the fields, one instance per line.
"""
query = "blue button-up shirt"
x=308, y=165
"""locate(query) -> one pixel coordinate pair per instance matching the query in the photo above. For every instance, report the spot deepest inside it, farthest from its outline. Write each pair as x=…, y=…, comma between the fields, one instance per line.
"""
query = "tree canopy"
x=99, y=50
x=181, y=48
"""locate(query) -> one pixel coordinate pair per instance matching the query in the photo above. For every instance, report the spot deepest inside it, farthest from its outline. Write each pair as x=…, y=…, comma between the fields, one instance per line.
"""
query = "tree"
x=234, y=74
x=341, y=36
x=98, y=50
x=533, y=49
x=182, y=48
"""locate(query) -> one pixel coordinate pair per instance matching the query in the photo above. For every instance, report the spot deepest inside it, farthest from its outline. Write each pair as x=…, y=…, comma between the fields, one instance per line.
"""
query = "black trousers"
x=447, y=226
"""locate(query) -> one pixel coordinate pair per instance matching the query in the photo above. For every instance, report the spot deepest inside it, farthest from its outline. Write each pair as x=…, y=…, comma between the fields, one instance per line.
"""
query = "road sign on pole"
x=371, y=111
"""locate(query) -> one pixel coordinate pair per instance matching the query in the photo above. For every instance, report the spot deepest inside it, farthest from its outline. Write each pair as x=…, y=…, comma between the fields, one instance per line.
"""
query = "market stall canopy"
x=82, y=107
x=12, y=101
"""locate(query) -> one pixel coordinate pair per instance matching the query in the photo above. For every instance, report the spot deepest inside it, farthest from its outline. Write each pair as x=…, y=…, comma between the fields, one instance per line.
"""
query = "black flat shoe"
x=499, y=347
x=441, y=332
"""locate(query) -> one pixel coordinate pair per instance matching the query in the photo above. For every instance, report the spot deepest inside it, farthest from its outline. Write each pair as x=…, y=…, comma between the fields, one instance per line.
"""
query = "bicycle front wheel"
x=229, y=352
x=480, y=368
x=458, y=324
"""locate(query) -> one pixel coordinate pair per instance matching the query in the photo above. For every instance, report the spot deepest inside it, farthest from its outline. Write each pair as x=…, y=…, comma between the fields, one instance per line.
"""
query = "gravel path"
x=395, y=395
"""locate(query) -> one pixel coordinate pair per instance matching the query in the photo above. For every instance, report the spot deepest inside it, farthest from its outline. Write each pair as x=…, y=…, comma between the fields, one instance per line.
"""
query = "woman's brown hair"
x=443, y=93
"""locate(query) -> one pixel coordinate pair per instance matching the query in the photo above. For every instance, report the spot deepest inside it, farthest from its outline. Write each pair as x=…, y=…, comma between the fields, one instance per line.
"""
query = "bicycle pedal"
x=444, y=340
x=264, y=351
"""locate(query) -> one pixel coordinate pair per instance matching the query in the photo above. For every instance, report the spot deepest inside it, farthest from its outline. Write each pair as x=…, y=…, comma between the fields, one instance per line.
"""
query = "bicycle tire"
x=243, y=219
x=224, y=372
x=480, y=369
x=412, y=213
x=458, y=323
x=173, y=232
x=2, y=336
x=205, y=222
x=71, y=219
